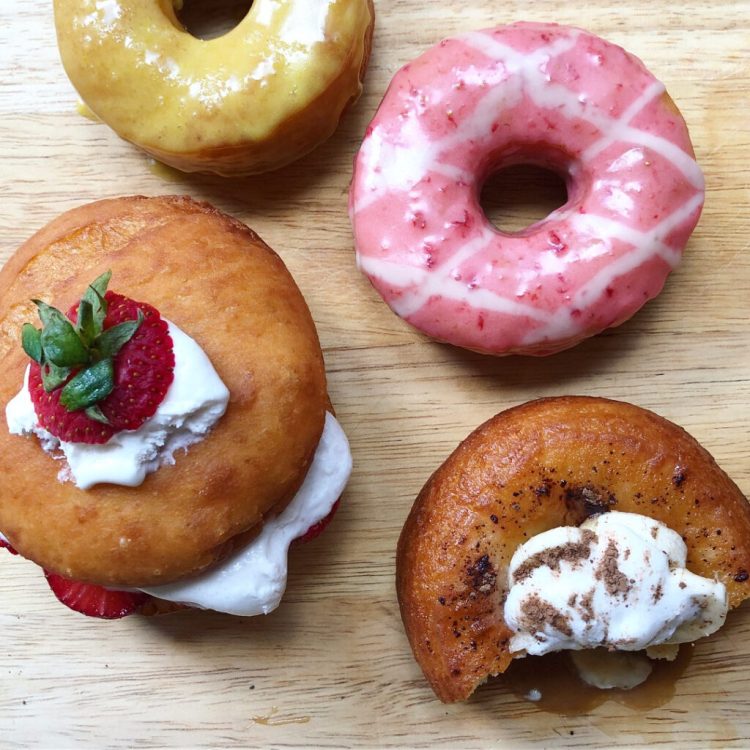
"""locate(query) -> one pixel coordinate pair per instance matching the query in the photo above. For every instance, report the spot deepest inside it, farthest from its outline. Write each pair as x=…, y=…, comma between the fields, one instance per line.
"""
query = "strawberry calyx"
x=77, y=356
x=95, y=601
x=128, y=369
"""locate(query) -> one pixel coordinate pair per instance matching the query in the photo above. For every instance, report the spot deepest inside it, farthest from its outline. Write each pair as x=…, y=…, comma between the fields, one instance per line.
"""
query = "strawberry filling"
x=95, y=601
x=6, y=545
x=317, y=528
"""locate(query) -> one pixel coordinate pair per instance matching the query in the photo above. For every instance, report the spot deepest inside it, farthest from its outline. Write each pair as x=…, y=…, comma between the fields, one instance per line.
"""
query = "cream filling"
x=252, y=580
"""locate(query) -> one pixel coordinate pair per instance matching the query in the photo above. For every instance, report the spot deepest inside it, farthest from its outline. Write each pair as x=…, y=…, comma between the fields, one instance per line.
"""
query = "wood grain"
x=331, y=668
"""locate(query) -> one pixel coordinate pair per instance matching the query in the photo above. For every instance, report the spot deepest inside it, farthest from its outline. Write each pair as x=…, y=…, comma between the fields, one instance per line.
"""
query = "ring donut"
x=250, y=101
x=528, y=93
x=545, y=464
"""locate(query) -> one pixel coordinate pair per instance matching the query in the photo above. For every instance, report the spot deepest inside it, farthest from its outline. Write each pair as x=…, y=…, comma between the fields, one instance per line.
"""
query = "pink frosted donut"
x=533, y=94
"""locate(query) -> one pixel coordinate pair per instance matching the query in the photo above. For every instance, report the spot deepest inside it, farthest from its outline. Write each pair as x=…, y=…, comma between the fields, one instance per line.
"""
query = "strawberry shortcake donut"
x=527, y=93
x=167, y=430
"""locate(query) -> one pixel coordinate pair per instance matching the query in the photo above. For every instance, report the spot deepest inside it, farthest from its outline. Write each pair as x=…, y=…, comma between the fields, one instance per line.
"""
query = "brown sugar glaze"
x=563, y=692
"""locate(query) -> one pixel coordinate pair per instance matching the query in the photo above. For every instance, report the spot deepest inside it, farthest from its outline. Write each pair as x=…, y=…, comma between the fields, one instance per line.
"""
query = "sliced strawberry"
x=95, y=601
x=143, y=372
x=70, y=426
x=6, y=545
x=144, y=367
x=317, y=528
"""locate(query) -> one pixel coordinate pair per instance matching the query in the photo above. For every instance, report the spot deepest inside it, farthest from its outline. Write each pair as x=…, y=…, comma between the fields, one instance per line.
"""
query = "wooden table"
x=332, y=668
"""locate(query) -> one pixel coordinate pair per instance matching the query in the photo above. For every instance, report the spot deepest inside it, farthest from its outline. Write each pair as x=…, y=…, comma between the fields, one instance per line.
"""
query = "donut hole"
x=516, y=197
x=209, y=19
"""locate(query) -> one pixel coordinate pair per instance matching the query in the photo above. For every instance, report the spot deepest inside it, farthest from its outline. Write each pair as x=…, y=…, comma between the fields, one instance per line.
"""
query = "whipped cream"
x=252, y=580
x=617, y=581
x=194, y=402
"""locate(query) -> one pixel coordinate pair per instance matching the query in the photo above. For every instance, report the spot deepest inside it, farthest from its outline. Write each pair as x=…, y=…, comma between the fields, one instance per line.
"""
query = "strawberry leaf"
x=94, y=296
x=95, y=413
x=61, y=344
x=86, y=324
x=100, y=284
x=53, y=376
x=114, y=338
x=89, y=386
x=31, y=340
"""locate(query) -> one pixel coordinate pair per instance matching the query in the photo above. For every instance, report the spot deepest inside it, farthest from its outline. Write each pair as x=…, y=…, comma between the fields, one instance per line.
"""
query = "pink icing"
x=527, y=93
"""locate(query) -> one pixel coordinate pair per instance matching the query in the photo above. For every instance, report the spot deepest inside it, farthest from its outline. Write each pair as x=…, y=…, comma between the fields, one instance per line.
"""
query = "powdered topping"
x=609, y=572
x=537, y=613
x=619, y=581
x=571, y=553
x=482, y=574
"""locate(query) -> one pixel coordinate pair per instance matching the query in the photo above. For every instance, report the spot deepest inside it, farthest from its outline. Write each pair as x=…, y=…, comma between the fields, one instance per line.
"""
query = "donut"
x=245, y=311
x=527, y=93
x=250, y=101
x=546, y=464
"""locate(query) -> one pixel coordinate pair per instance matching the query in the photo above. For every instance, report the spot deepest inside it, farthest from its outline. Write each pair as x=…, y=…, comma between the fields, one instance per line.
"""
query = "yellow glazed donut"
x=250, y=101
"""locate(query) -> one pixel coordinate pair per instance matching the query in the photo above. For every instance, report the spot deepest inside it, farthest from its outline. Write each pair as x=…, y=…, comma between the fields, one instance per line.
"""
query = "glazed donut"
x=251, y=320
x=527, y=93
x=250, y=101
x=545, y=464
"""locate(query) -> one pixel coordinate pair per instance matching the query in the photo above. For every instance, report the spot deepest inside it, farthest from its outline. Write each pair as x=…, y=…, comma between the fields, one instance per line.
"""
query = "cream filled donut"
x=525, y=93
x=250, y=101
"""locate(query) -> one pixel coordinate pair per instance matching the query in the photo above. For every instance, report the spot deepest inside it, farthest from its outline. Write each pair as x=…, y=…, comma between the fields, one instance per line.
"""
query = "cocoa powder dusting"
x=536, y=614
x=586, y=607
x=482, y=575
x=615, y=581
x=573, y=552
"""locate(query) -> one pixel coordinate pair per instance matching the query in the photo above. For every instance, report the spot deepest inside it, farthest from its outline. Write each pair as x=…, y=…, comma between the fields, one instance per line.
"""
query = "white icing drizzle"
x=396, y=159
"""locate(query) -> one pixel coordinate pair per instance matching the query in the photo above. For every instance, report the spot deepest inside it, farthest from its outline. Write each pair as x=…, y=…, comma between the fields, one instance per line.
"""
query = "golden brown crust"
x=218, y=281
x=547, y=463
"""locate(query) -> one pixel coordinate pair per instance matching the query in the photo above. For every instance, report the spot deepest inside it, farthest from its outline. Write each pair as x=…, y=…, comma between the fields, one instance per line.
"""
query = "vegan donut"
x=192, y=513
x=545, y=464
x=250, y=101
x=528, y=93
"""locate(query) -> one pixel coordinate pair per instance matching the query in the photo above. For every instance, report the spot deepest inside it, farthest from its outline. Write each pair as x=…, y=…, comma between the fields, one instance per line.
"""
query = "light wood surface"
x=332, y=668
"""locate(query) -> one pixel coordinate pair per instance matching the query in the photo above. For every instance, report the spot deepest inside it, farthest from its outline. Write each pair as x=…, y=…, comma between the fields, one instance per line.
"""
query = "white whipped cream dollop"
x=252, y=580
x=617, y=581
x=194, y=402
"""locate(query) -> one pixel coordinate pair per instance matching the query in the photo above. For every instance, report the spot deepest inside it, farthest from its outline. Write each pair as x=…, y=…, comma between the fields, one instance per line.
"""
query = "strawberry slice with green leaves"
x=104, y=367
x=95, y=601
